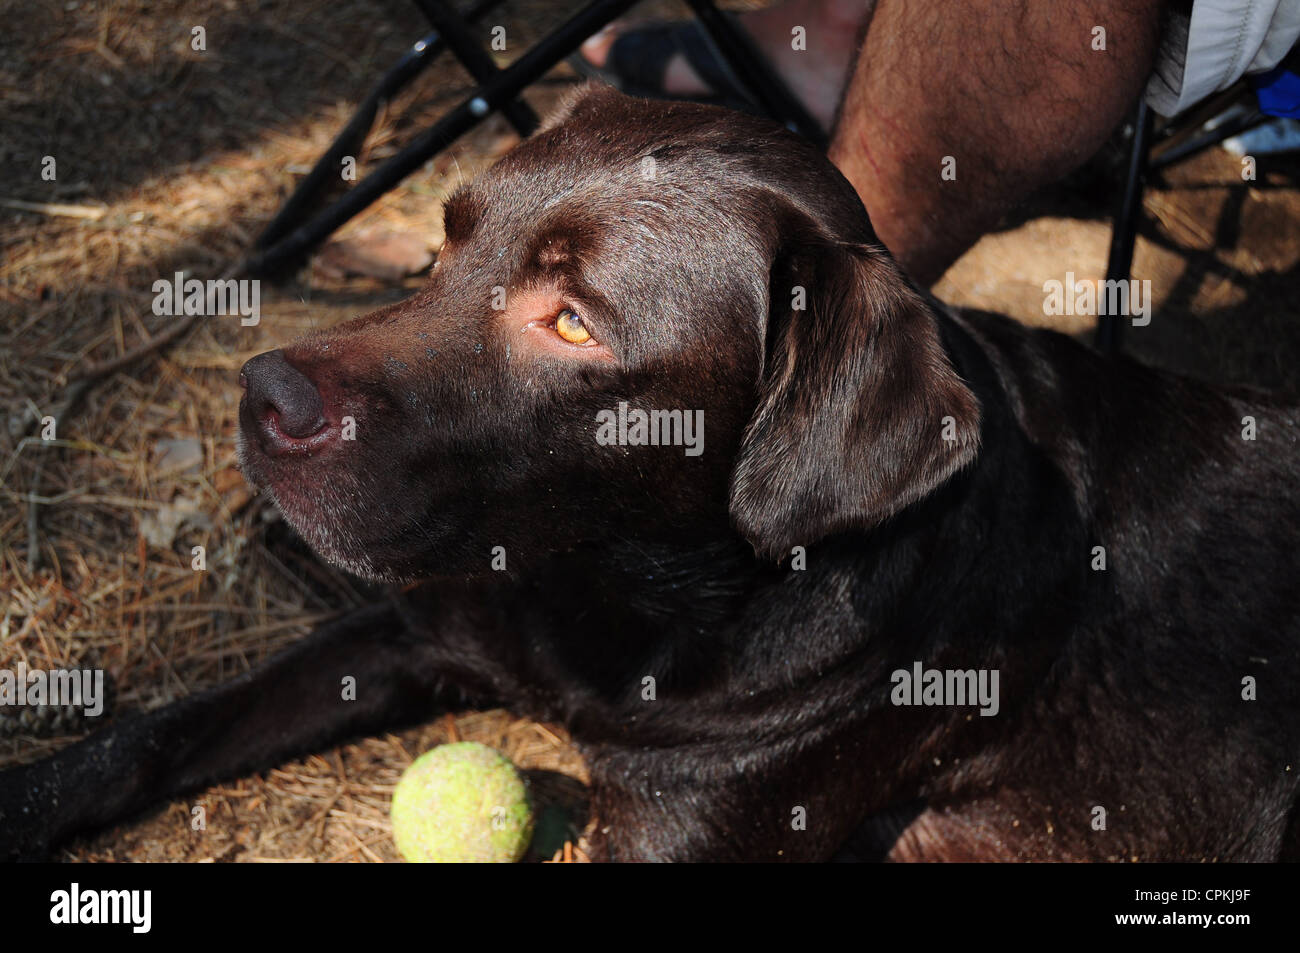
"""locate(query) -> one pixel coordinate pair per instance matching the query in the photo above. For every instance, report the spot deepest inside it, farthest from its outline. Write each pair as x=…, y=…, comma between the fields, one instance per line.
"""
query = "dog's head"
x=632, y=273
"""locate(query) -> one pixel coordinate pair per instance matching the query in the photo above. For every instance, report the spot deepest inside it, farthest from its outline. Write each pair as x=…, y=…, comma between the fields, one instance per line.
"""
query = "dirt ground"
x=171, y=159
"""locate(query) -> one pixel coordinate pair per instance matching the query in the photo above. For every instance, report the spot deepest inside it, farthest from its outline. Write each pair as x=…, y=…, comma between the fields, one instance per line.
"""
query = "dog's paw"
x=24, y=826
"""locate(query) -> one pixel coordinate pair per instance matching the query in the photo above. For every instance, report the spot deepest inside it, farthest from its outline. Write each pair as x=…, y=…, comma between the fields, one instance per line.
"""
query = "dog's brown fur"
x=946, y=479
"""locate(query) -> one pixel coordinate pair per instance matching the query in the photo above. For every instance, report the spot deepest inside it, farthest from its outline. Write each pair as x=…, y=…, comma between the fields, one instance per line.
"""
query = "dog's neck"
x=692, y=583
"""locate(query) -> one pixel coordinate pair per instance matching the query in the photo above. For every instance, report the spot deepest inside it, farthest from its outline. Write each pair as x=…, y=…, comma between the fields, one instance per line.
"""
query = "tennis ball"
x=461, y=803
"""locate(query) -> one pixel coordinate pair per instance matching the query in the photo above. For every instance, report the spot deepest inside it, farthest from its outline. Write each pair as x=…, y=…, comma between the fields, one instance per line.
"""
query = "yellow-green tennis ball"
x=462, y=803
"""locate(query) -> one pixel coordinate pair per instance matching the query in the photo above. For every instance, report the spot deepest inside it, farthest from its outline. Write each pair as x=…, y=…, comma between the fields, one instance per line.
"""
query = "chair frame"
x=301, y=225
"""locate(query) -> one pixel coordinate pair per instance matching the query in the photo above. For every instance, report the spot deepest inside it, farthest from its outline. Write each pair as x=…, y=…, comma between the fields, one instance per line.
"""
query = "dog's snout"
x=273, y=385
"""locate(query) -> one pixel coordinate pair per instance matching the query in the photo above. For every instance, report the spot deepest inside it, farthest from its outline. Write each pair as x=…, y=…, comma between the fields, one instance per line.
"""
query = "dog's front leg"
x=357, y=675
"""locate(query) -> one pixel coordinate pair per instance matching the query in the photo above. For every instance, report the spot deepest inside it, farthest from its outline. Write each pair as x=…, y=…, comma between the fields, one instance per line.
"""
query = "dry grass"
x=334, y=806
x=172, y=160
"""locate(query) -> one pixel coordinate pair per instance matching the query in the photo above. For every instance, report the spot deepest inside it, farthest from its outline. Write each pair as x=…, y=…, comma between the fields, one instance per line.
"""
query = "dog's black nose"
x=272, y=384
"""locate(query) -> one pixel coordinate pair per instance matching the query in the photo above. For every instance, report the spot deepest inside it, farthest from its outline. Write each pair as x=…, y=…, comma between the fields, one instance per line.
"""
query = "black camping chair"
x=302, y=224
x=1155, y=147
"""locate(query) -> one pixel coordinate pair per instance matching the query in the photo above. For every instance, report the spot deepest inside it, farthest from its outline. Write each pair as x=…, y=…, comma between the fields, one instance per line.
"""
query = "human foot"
x=813, y=63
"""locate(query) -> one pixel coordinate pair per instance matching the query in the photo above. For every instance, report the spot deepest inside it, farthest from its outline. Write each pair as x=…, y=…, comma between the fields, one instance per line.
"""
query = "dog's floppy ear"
x=860, y=411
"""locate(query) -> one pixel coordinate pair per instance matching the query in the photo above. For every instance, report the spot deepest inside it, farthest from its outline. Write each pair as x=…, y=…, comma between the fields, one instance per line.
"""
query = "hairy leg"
x=1006, y=95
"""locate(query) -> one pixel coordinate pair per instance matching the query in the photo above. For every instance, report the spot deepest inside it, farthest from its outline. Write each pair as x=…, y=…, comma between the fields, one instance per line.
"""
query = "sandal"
x=639, y=57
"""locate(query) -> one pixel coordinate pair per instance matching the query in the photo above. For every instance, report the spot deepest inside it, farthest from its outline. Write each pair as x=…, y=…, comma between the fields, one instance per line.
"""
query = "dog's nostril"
x=273, y=385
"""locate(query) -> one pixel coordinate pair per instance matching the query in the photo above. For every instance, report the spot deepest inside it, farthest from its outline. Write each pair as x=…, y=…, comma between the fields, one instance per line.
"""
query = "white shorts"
x=1219, y=43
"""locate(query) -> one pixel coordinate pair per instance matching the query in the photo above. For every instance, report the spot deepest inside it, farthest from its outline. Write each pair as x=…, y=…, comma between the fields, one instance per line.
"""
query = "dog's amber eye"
x=570, y=327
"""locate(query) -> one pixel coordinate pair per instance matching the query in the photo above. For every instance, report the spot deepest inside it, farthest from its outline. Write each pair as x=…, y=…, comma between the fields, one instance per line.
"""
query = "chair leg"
x=503, y=87
x=290, y=236
x=1120, y=261
x=1193, y=146
x=746, y=63
x=326, y=170
x=456, y=33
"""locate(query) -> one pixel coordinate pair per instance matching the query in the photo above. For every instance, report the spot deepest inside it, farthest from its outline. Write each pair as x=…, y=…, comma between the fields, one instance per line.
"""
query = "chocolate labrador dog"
x=668, y=450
